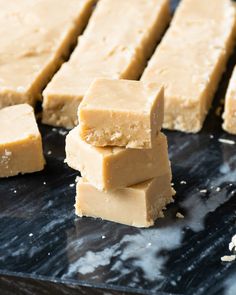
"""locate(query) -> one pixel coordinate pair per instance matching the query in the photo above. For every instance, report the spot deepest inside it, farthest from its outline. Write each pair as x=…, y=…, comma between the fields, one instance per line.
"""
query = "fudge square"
x=20, y=141
x=109, y=168
x=137, y=205
x=121, y=113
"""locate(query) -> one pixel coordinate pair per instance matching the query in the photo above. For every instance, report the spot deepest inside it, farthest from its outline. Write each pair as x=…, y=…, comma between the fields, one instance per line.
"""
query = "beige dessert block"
x=35, y=38
x=138, y=205
x=121, y=113
x=20, y=141
x=190, y=60
x=115, y=167
x=120, y=37
x=229, y=115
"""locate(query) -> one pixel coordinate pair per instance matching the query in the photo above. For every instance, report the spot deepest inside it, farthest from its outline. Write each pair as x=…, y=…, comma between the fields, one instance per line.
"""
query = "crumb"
x=227, y=141
x=232, y=244
x=8, y=153
x=62, y=132
x=103, y=237
x=77, y=179
x=217, y=189
x=54, y=129
x=228, y=258
x=203, y=191
x=179, y=215
x=183, y=182
x=44, y=182
x=31, y=235
x=211, y=136
x=15, y=191
x=218, y=111
x=172, y=184
x=49, y=152
x=49, y=253
x=65, y=161
x=230, y=184
x=72, y=185
x=149, y=244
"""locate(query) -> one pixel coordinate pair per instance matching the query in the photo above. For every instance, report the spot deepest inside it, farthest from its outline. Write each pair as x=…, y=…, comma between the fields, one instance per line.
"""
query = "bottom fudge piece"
x=229, y=115
x=138, y=205
x=109, y=168
x=20, y=141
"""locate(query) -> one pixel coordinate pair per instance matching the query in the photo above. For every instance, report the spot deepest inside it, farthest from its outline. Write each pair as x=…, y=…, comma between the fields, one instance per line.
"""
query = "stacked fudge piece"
x=121, y=153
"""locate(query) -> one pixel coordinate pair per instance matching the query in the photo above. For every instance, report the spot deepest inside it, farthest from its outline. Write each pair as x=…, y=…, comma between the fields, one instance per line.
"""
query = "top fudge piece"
x=20, y=141
x=229, y=115
x=190, y=60
x=36, y=36
x=121, y=113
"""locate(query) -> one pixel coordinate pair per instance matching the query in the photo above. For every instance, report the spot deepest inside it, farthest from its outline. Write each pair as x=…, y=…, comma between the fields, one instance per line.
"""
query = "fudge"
x=121, y=113
x=138, y=205
x=20, y=141
x=119, y=39
x=109, y=168
x=190, y=60
x=36, y=36
x=229, y=115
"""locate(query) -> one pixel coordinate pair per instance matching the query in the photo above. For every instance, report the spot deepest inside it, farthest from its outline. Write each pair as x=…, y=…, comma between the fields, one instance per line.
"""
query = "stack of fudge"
x=121, y=154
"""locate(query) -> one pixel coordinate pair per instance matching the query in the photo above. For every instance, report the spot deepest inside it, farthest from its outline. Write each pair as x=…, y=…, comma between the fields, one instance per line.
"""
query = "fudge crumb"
x=62, y=132
x=217, y=189
x=227, y=141
x=72, y=185
x=232, y=244
x=218, y=111
x=228, y=258
x=183, y=182
x=179, y=215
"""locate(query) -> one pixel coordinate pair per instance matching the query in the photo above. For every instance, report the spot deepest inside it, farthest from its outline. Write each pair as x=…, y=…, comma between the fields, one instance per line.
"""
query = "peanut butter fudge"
x=117, y=42
x=35, y=38
x=190, y=60
x=115, y=167
x=20, y=141
x=121, y=113
x=229, y=115
x=138, y=205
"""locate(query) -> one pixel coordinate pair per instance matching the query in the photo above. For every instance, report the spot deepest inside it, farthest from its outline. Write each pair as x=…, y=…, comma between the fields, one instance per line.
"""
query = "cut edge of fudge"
x=229, y=114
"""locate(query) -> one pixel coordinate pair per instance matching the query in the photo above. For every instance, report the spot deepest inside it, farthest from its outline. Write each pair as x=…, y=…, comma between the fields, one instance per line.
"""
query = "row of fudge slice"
x=188, y=62
x=121, y=153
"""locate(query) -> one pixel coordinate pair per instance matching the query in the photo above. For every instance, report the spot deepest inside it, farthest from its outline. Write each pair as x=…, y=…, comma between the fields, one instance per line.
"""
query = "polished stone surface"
x=44, y=246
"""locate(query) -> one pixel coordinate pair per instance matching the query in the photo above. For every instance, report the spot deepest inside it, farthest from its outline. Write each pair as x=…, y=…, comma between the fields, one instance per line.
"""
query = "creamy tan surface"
x=190, y=60
x=138, y=205
x=20, y=141
x=115, y=167
x=121, y=113
x=119, y=39
x=229, y=115
x=35, y=37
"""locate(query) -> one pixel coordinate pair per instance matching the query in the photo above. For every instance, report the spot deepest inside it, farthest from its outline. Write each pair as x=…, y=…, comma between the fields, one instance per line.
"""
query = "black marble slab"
x=46, y=249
